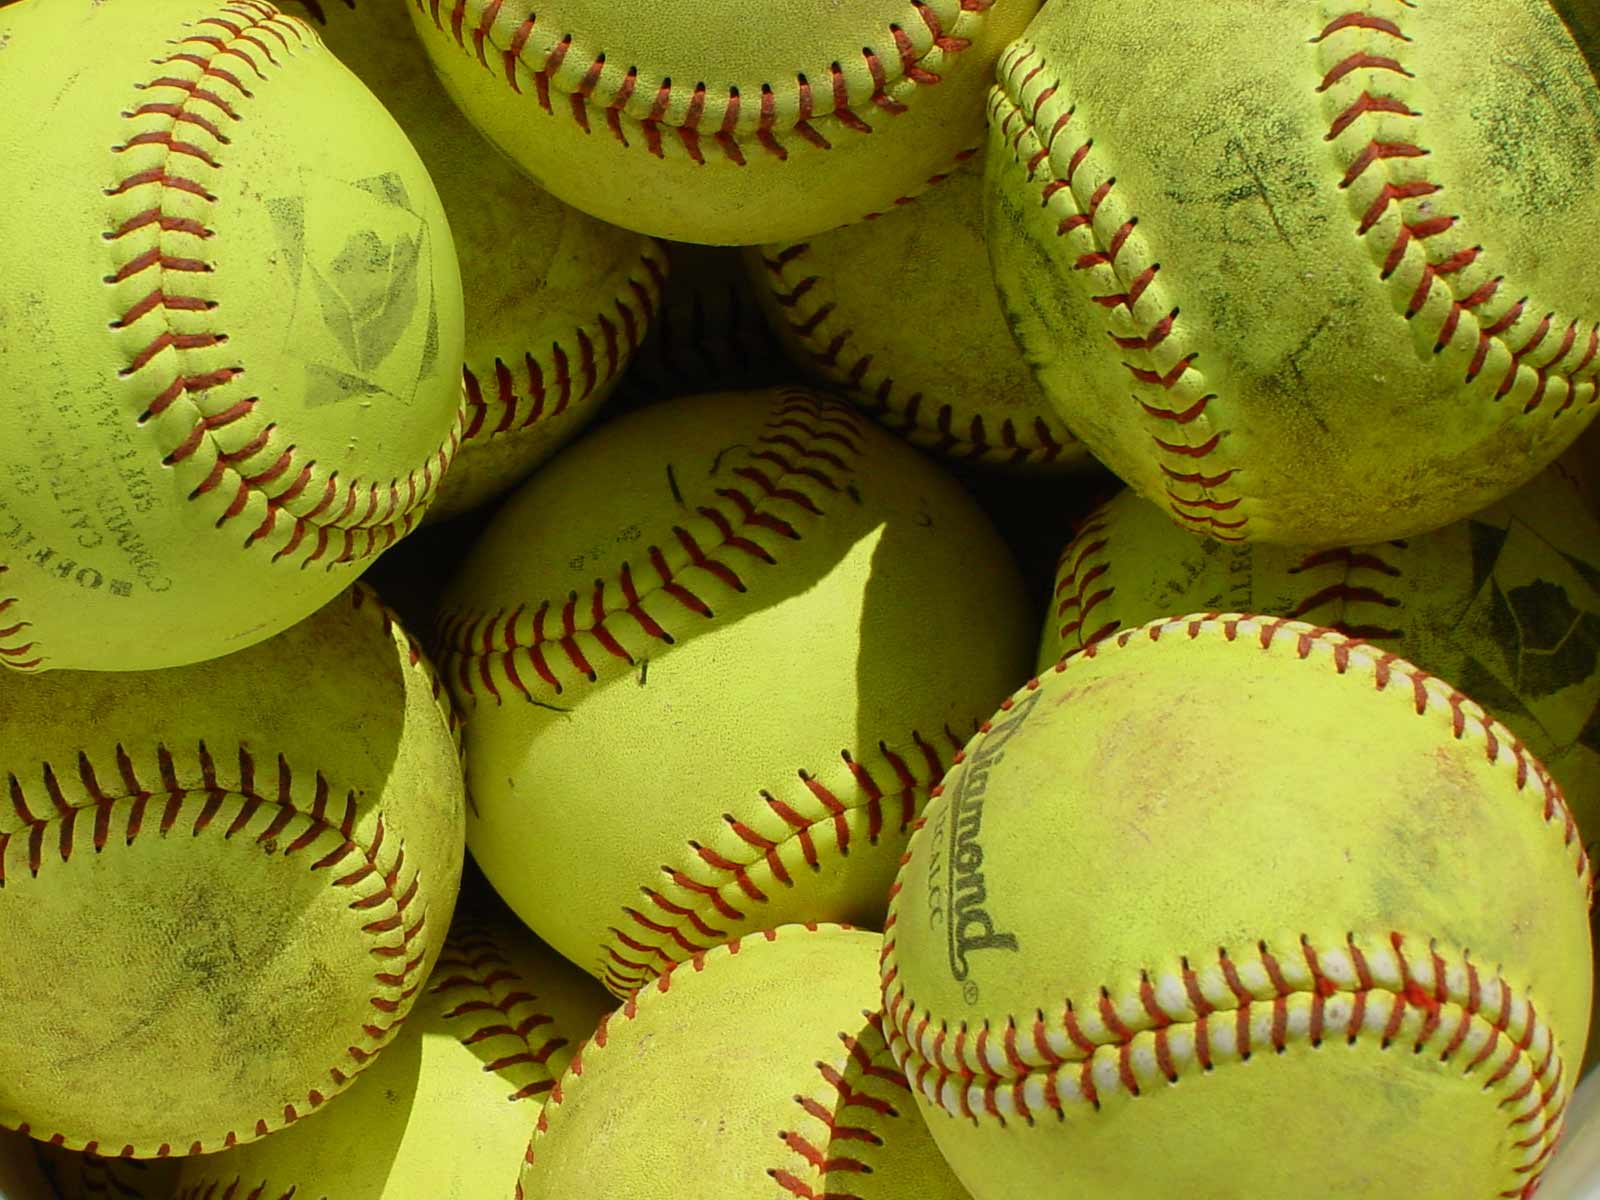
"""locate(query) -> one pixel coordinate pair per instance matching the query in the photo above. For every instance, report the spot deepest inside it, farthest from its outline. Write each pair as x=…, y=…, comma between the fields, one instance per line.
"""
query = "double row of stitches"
x=167, y=325
x=801, y=827
x=495, y=1013
x=1365, y=577
x=1207, y=1012
x=1399, y=990
x=1032, y=114
x=726, y=124
x=854, y=1106
x=804, y=458
x=1447, y=282
x=549, y=384
x=92, y=806
x=18, y=649
x=831, y=349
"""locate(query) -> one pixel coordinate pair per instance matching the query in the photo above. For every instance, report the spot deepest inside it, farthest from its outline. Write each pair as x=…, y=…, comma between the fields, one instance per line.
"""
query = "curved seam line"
x=675, y=920
x=1210, y=511
x=241, y=20
x=1440, y=274
x=723, y=112
x=467, y=637
x=637, y=304
x=882, y=400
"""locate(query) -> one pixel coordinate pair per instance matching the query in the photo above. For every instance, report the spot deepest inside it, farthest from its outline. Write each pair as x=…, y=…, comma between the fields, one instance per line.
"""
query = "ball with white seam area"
x=221, y=885
x=756, y=1069
x=230, y=333
x=446, y=1111
x=710, y=662
x=1295, y=885
x=721, y=124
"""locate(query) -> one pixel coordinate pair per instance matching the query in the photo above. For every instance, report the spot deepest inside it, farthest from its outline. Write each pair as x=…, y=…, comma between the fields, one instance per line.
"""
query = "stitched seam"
x=1102, y=1038
x=629, y=1010
x=1212, y=1012
x=679, y=916
x=809, y=445
x=1441, y=277
x=386, y=892
x=811, y=315
x=1035, y=120
x=1369, y=591
x=847, y=1148
x=1082, y=587
x=16, y=653
x=691, y=115
x=208, y=72
x=970, y=1055
x=551, y=382
x=490, y=1001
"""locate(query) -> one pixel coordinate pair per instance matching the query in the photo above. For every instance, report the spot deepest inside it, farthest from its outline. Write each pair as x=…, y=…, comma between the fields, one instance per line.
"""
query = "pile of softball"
x=799, y=599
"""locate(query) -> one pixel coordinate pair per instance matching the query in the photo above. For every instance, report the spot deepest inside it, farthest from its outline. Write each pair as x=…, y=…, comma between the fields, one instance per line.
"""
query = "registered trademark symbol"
x=969, y=992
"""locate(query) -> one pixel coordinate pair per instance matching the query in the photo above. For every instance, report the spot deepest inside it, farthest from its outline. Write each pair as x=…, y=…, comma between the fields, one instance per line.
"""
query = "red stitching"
x=802, y=441
x=953, y=1075
x=546, y=387
x=1081, y=569
x=15, y=653
x=935, y=428
x=848, y=1138
x=707, y=115
x=662, y=930
x=494, y=996
x=159, y=809
x=346, y=532
x=1350, y=560
x=1192, y=497
x=1419, y=224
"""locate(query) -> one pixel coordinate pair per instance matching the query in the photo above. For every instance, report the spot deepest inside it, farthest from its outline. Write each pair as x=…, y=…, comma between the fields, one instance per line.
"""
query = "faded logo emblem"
x=364, y=313
x=971, y=926
x=1535, y=621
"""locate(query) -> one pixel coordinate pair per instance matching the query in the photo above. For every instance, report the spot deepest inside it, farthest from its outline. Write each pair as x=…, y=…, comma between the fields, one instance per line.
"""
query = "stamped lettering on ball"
x=970, y=925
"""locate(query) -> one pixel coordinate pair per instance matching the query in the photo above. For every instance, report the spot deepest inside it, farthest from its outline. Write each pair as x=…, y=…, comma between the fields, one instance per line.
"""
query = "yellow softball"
x=231, y=331
x=758, y=1069
x=446, y=1111
x=1310, y=917
x=722, y=124
x=900, y=314
x=1505, y=604
x=1313, y=273
x=221, y=886
x=556, y=302
x=711, y=660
